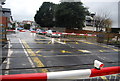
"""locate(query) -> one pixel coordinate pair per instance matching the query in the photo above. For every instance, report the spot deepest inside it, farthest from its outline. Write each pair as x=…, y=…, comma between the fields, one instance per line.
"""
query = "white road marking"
x=59, y=41
x=30, y=60
x=10, y=52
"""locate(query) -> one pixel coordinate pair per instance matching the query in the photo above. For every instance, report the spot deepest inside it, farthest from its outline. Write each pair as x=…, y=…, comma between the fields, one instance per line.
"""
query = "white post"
x=53, y=40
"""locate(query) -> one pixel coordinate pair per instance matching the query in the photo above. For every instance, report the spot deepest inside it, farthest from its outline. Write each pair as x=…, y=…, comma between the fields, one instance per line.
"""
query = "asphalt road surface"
x=31, y=53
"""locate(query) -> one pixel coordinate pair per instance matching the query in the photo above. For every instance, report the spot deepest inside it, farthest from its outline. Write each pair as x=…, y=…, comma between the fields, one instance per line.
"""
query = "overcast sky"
x=26, y=9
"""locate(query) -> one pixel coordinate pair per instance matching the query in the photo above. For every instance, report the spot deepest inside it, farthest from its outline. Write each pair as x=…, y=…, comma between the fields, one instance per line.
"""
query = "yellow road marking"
x=87, y=42
x=101, y=50
x=76, y=43
x=115, y=49
x=64, y=41
x=38, y=51
x=40, y=55
x=35, y=59
x=109, y=48
x=63, y=51
x=84, y=51
x=104, y=78
x=116, y=75
x=49, y=42
x=101, y=46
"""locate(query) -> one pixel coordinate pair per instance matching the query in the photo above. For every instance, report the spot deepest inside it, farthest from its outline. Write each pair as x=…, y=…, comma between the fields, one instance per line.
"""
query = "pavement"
x=31, y=53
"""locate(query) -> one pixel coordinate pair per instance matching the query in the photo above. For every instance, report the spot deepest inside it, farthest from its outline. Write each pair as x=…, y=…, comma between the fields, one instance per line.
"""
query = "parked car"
x=20, y=28
x=41, y=31
x=53, y=33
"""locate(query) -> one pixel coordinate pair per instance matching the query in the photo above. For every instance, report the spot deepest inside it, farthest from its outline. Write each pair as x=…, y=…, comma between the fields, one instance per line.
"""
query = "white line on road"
x=30, y=60
x=10, y=52
x=59, y=41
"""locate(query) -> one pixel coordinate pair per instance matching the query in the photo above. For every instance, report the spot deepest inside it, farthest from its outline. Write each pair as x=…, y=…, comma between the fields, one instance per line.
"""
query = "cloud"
x=25, y=9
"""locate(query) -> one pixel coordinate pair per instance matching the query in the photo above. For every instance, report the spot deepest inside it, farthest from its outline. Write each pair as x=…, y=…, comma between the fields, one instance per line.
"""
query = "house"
x=111, y=9
x=5, y=16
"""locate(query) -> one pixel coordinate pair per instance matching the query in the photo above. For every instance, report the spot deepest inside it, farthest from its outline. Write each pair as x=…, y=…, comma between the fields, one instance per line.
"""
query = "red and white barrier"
x=74, y=74
x=75, y=34
x=15, y=30
x=22, y=30
x=78, y=34
x=67, y=33
x=34, y=31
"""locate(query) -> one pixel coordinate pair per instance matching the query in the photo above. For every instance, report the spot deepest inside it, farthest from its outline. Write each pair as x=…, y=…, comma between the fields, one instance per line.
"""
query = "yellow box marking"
x=35, y=59
x=40, y=55
x=65, y=42
x=101, y=50
x=38, y=51
x=49, y=42
x=101, y=46
x=76, y=43
x=87, y=42
x=63, y=51
x=84, y=51
x=104, y=78
x=115, y=49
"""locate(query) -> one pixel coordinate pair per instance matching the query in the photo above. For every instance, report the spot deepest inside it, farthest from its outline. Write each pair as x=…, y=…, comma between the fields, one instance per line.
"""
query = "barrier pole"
x=73, y=74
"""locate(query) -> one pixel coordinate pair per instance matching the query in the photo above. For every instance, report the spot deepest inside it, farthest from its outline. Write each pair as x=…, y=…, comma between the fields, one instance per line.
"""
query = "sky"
x=26, y=9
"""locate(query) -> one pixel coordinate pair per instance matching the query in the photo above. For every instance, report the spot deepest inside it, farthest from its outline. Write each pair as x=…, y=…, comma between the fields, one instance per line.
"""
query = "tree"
x=44, y=17
x=70, y=15
x=102, y=21
x=26, y=26
x=13, y=25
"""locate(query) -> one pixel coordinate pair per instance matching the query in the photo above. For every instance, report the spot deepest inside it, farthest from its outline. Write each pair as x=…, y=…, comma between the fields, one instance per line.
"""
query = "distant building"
x=111, y=9
x=5, y=15
x=27, y=22
x=6, y=12
x=89, y=21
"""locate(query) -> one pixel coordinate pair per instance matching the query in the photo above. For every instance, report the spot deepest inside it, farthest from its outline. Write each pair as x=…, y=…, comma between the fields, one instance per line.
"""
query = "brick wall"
x=4, y=21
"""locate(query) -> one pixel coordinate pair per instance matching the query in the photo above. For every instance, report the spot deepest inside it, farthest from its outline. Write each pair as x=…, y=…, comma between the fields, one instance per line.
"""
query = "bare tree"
x=102, y=21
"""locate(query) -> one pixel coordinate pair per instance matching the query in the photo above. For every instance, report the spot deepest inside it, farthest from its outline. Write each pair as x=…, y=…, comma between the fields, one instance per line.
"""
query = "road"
x=31, y=53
